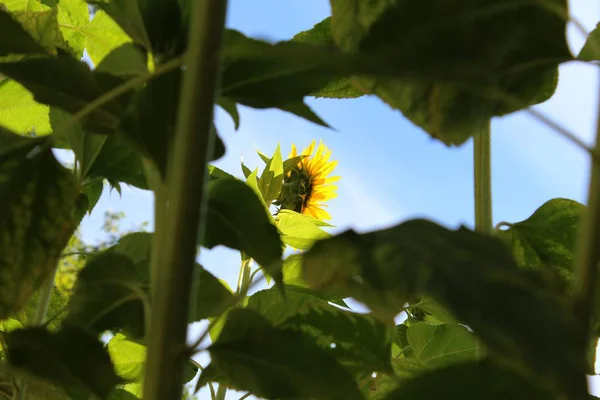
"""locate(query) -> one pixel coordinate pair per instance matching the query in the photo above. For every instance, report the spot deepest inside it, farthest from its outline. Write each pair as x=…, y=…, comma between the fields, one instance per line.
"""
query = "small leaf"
x=230, y=108
x=70, y=358
x=93, y=192
x=252, y=355
x=271, y=179
x=127, y=357
x=107, y=296
x=14, y=39
x=591, y=49
x=470, y=274
x=298, y=230
x=237, y=219
x=41, y=196
x=218, y=173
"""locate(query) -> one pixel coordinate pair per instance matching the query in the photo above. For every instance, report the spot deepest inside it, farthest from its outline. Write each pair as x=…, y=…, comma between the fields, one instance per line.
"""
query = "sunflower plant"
x=502, y=311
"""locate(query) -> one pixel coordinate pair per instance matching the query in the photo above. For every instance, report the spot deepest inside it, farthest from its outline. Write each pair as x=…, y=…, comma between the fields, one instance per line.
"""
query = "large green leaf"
x=472, y=275
x=19, y=112
x=71, y=85
x=470, y=381
x=591, y=49
x=128, y=16
x=269, y=362
x=14, y=39
x=298, y=230
x=38, y=195
x=43, y=27
x=469, y=62
x=436, y=346
x=108, y=296
x=103, y=35
x=70, y=358
x=73, y=16
x=236, y=218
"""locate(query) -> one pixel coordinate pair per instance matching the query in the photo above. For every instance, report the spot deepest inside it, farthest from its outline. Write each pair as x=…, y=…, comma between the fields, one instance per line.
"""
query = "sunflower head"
x=307, y=186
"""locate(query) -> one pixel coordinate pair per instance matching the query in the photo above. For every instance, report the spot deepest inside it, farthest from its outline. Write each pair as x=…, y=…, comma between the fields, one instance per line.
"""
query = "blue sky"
x=391, y=170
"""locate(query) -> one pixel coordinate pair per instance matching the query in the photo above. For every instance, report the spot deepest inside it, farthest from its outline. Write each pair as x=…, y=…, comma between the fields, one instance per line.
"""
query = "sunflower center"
x=296, y=191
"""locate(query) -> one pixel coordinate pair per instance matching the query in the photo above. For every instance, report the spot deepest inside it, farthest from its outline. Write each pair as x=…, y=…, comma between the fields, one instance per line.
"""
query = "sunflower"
x=307, y=186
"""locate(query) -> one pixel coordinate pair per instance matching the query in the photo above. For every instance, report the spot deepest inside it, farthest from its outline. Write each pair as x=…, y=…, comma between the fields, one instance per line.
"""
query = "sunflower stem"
x=186, y=181
x=588, y=251
x=221, y=392
x=483, y=180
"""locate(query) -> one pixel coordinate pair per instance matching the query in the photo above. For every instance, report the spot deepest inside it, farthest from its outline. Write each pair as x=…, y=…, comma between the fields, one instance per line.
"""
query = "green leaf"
x=73, y=15
x=40, y=194
x=127, y=357
x=434, y=312
x=55, y=313
x=14, y=39
x=252, y=355
x=19, y=112
x=218, y=173
x=93, y=191
x=298, y=230
x=70, y=85
x=106, y=296
x=458, y=83
x=236, y=218
x=437, y=346
x=128, y=16
x=117, y=161
x=591, y=49
x=292, y=271
x=69, y=358
x=271, y=179
x=43, y=27
x=103, y=35
x=230, y=107
x=357, y=341
x=126, y=61
x=471, y=274
x=547, y=239
x=212, y=297
x=86, y=146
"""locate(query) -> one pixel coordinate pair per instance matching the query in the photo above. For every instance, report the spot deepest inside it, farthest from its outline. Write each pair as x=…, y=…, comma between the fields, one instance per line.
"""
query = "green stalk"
x=483, y=180
x=588, y=247
x=221, y=392
x=186, y=178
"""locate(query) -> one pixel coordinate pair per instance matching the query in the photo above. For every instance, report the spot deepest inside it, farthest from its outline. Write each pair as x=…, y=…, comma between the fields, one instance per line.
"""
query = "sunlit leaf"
x=103, y=35
x=19, y=112
x=69, y=358
x=73, y=16
x=39, y=197
x=470, y=274
x=128, y=16
x=14, y=39
x=269, y=362
x=271, y=179
x=43, y=27
x=298, y=230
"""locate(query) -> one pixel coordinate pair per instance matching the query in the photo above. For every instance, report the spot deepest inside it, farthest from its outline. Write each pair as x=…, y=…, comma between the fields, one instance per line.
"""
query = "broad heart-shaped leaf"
x=459, y=82
x=472, y=275
x=358, y=342
x=236, y=218
x=107, y=296
x=270, y=362
x=591, y=49
x=39, y=197
x=128, y=358
x=69, y=84
x=19, y=112
x=298, y=230
x=70, y=358
x=14, y=39
x=469, y=381
x=151, y=122
x=547, y=238
x=436, y=346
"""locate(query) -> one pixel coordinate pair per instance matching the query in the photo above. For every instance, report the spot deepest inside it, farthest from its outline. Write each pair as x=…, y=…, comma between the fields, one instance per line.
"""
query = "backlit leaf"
x=39, y=197
x=73, y=15
x=299, y=230
x=127, y=14
x=19, y=112
x=271, y=179
x=269, y=362
x=69, y=358
x=470, y=274
x=14, y=39
x=43, y=27
x=103, y=35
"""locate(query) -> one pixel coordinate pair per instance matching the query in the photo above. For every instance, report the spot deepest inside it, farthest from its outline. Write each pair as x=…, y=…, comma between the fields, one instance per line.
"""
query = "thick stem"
x=588, y=246
x=185, y=182
x=483, y=180
x=221, y=392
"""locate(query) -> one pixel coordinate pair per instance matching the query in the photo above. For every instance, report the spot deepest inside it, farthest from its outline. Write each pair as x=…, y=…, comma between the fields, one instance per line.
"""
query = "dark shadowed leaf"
x=69, y=358
x=591, y=49
x=358, y=342
x=127, y=14
x=43, y=27
x=269, y=362
x=69, y=84
x=230, y=107
x=127, y=61
x=92, y=192
x=38, y=196
x=471, y=381
x=470, y=274
x=14, y=39
x=236, y=218
x=466, y=58
x=107, y=295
